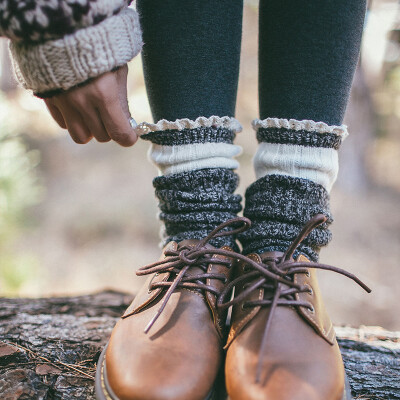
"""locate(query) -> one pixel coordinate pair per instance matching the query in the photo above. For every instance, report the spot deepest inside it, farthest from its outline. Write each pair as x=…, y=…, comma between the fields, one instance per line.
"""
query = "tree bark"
x=49, y=349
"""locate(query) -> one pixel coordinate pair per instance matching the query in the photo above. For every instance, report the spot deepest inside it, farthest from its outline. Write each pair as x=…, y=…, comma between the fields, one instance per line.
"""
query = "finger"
x=76, y=126
x=95, y=125
x=56, y=114
x=122, y=79
x=117, y=123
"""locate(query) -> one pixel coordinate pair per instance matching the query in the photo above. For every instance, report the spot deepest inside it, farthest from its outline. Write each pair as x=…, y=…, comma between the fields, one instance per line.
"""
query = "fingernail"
x=133, y=123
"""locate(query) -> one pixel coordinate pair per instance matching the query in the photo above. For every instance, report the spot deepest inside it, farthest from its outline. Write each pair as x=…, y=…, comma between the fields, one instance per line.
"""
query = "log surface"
x=49, y=349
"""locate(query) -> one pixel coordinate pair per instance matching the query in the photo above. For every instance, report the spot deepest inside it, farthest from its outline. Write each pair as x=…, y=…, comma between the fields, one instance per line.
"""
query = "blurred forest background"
x=77, y=219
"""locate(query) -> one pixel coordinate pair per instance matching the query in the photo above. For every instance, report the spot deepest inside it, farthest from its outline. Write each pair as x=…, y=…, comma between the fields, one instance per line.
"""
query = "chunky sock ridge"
x=193, y=203
x=292, y=183
x=278, y=207
x=287, y=199
x=206, y=178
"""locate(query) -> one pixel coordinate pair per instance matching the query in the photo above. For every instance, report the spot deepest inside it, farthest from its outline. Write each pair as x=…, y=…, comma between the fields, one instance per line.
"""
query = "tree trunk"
x=49, y=349
x=361, y=120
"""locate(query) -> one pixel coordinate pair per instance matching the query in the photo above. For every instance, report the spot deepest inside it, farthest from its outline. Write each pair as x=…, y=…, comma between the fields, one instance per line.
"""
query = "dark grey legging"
x=308, y=51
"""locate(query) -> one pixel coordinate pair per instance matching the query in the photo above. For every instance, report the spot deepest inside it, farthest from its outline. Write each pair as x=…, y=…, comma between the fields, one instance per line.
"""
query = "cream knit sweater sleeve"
x=58, y=44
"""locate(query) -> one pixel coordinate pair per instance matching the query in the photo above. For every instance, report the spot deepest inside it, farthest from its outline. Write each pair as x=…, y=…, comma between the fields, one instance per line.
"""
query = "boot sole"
x=103, y=389
x=346, y=391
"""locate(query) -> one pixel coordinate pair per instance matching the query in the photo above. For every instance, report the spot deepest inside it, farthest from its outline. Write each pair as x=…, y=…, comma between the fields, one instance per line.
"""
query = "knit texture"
x=72, y=59
x=174, y=151
x=193, y=203
x=302, y=149
x=300, y=137
x=317, y=164
x=174, y=137
x=189, y=157
x=278, y=207
x=42, y=20
x=296, y=164
x=197, y=183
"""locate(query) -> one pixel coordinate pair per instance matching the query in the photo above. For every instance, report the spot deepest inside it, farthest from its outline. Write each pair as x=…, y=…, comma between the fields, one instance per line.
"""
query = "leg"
x=191, y=56
x=191, y=62
x=307, y=59
x=308, y=54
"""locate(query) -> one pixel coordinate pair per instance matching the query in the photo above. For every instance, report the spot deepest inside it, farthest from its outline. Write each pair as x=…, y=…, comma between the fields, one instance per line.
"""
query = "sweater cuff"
x=75, y=58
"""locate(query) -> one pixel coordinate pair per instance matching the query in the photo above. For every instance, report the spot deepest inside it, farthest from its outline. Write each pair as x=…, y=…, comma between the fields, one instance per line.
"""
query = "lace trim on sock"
x=185, y=123
x=305, y=125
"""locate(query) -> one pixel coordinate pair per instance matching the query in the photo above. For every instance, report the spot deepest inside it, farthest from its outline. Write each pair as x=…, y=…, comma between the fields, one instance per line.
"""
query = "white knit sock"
x=302, y=149
x=185, y=145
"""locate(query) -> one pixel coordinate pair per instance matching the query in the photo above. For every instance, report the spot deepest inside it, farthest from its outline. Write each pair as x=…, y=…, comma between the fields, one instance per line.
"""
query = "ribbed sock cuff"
x=174, y=137
x=278, y=207
x=299, y=138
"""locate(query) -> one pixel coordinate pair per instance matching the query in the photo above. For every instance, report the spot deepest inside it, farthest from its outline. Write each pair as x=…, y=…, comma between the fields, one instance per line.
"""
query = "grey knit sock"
x=278, y=207
x=197, y=185
x=296, y=165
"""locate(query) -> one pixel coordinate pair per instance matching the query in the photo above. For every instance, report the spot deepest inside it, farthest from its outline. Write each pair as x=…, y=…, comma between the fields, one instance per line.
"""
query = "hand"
x=98, y=109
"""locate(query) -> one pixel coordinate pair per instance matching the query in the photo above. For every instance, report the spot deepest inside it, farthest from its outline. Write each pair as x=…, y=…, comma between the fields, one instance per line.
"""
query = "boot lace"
x=276, y=277
x=179, y=262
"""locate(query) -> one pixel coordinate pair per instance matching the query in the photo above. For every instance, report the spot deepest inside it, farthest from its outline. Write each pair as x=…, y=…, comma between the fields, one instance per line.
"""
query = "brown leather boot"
x=282, y=344
x=168, y=344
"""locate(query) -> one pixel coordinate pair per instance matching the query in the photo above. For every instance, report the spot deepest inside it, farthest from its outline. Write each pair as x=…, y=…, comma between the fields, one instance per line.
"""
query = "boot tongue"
x=271, y=255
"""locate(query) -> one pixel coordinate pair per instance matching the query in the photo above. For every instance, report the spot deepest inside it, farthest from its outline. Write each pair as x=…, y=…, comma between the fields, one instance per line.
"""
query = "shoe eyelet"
x=242, y=307
x=310, y=290
x=311, y=309
x=308, y=274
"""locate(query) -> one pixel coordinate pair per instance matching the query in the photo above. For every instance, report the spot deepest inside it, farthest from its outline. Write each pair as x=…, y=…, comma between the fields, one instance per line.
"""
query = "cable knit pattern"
x=73, y=59
x=42, y=20
x=185, y=123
